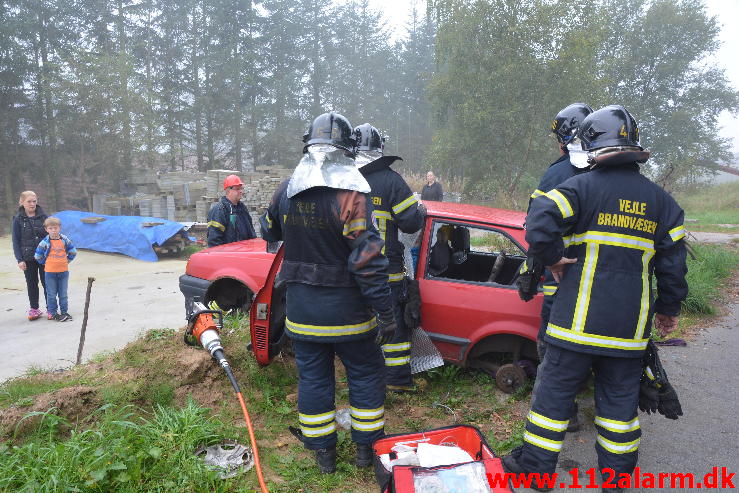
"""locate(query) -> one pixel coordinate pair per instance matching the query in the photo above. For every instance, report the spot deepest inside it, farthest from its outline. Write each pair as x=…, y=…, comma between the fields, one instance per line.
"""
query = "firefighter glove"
x=669, y=404
x=528, y=279
x=648, y=397
x=385, y=327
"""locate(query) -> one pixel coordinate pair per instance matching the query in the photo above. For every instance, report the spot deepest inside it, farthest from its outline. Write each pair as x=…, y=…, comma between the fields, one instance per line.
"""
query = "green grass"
x=122, y=452
x=707, y=274
x=713, y=205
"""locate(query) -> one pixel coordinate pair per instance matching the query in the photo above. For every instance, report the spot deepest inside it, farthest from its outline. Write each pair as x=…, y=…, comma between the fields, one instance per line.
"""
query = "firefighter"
x=338, y=298
x=623, y=230
x=228, y=219
x=394, y=208
x=564, y=127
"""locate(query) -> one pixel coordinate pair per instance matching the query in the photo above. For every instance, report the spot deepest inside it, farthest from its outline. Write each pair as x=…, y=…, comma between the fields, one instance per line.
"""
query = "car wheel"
x=510, y=377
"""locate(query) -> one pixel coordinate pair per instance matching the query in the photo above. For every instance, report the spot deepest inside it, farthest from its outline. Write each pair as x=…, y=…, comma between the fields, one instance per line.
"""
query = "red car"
x=468, y=262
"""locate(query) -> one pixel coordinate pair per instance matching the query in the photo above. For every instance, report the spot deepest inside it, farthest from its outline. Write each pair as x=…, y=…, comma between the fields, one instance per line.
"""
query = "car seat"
x=460, y=244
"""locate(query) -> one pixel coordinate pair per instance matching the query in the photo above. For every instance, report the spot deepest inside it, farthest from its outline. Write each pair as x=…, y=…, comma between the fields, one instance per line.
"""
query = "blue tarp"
x=118, y=234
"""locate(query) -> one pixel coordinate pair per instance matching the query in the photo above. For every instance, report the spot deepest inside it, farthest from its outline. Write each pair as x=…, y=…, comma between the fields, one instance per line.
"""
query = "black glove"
x=528, y=279
x=422, y=209
x=648, y=397
x=385, y=327
x=669, y=404
x=412, y=312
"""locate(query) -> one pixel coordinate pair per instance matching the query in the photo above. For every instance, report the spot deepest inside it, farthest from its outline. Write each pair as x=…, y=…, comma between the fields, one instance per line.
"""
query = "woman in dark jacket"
x=28, y=231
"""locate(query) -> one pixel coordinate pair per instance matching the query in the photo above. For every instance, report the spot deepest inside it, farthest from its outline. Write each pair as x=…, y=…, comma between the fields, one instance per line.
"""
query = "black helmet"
x=369, y=138
x=567, y=121
x=611, y=126
x=330, y=128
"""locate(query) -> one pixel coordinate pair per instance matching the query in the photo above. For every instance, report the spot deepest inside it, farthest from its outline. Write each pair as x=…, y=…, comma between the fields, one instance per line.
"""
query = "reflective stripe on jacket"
x=335, y=271
x=393, y=207
x=623, y=229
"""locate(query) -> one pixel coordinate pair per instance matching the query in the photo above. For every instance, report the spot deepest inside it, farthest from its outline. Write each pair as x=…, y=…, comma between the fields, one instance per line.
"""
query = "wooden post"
x=84, y=319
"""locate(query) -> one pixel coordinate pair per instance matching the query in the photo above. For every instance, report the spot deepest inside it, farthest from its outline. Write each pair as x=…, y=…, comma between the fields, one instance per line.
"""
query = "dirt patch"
x=72, y=403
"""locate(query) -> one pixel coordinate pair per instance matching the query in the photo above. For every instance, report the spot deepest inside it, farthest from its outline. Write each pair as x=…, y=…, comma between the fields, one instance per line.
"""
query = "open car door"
x=267, y=316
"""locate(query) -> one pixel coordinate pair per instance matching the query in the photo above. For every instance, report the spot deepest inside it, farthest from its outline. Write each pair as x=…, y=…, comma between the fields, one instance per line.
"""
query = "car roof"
x=476, y=213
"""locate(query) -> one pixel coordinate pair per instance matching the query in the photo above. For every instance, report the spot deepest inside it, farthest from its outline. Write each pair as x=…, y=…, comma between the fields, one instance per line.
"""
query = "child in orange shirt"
x=55, y=252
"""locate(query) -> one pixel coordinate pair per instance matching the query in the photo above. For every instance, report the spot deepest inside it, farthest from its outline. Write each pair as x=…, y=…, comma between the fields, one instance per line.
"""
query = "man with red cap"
x=228, y=220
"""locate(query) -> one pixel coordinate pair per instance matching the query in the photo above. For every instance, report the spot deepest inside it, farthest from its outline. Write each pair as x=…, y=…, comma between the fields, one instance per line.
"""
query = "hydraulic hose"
x=219, y=356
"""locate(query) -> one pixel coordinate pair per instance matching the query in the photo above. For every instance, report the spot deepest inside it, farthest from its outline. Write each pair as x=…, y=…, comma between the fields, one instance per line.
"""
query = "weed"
x=706, y=276
x=160, y=334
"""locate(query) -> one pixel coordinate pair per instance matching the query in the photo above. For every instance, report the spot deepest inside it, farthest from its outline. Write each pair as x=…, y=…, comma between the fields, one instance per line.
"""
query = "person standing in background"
x=228, y=220
x=28, y=231
x=432, y=190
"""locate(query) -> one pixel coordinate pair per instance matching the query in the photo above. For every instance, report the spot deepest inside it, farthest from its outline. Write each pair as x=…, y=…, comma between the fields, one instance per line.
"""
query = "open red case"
x=403, y=479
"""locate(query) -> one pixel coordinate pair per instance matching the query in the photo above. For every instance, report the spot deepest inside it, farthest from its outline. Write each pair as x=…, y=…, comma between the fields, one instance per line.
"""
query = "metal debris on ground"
x=228, y=458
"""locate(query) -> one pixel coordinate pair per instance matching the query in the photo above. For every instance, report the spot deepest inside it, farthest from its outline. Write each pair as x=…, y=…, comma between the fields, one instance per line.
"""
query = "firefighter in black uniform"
x=338, y=298
x=394, y=208
x=622, y=230
x=564, y=127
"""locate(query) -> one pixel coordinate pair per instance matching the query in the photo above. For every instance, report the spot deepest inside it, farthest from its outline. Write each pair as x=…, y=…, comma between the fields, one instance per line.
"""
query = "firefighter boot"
x=364, y=455
x=511, y=465
x=326, y=460
x=574, y=424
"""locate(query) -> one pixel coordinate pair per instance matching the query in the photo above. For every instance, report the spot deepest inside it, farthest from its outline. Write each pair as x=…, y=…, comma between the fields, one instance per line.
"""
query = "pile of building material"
x=185, y=196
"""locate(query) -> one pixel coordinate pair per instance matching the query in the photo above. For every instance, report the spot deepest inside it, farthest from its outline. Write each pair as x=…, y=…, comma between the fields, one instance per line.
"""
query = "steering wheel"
x=497, y=266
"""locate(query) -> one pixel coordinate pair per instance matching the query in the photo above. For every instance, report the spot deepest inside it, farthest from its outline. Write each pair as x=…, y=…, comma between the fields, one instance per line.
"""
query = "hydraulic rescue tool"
x=203, y=330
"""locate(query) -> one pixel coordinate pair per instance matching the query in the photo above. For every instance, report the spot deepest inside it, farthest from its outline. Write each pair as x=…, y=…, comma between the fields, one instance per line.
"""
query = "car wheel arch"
x=231, y=293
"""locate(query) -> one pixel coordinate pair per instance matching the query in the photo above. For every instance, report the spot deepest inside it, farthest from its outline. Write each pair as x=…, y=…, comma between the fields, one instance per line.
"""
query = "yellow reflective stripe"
x=562, y=203
x=550, y=290
x=331, y=330
x=354, y=225
x=400, y=361
x=524, y=268
x=585, y=288
x=318, y=432
x=382, y=214
x=644, y=304
x=568, y=240
x=596, y=340
x=677, y=232
x=368, y=425
x=367, y=413
x=398, y=208
x=545, y=443
x=217, y=225
x=537, y=193
x=618, y=448
x=549, y=424
x=612, y=239
x=398, y=276
x=397, y=346
x=650, y=375
x=617, y=426
x=269, y=220
x=315, y=419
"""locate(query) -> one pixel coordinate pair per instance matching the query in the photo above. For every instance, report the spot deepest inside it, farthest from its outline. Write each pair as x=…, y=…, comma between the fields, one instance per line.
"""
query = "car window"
x=472, y=254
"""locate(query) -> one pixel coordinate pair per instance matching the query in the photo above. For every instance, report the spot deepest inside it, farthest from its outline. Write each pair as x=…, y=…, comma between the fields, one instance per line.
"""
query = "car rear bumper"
x=192, y=288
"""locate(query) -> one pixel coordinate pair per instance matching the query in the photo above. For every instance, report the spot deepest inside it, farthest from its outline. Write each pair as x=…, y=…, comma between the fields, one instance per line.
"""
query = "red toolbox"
x=403, y=479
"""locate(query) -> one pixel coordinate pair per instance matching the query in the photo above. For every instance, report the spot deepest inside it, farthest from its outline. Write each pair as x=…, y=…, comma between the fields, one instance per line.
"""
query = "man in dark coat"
x=228, y=220
x=432, y=189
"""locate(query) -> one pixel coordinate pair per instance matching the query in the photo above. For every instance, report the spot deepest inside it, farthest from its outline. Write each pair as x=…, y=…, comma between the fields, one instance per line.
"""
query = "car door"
x=267, y=315
x=467, y=282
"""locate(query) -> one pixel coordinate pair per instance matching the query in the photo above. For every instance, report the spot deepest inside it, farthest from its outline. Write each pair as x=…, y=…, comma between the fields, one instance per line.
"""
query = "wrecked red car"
x=468, y=262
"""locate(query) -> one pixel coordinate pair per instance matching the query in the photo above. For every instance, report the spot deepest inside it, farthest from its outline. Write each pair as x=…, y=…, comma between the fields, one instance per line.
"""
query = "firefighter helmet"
x=369, y=138
x=232, y=181
x=612, y=126
x=567, y=121
x=333, y=129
